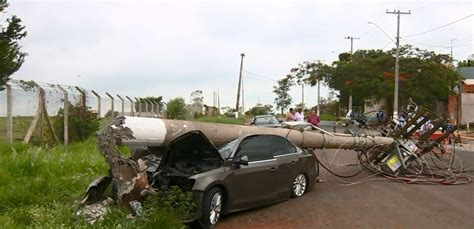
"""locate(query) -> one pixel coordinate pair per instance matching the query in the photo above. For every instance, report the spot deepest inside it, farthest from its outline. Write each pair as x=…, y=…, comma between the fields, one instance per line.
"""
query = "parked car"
x=265, y=121
x=251, y=171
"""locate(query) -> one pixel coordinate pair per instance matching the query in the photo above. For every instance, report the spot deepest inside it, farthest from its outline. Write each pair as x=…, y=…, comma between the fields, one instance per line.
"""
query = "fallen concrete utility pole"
x=129, y=176
x=160, y=132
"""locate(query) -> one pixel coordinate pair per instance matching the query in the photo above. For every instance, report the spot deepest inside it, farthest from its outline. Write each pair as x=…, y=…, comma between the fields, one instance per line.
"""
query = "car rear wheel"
x=211, y=207
x=299, y=185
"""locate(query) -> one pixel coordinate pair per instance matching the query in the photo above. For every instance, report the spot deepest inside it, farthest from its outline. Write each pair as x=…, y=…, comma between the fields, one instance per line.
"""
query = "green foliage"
x=174, y=200
x=108, y=114
x=222, y=119
x=260, y=109
x=368, y=74
x=283, y=99
x=466, y=63
x=156, y=100
x=82, y=123
x=229, y=111
x=176, y=108
x=328, y=117
x=39, y=189
x=197, y=98
x=11, y=56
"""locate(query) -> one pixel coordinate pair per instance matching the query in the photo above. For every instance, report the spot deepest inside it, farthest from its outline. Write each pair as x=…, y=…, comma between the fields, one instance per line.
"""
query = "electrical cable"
x=439, y=27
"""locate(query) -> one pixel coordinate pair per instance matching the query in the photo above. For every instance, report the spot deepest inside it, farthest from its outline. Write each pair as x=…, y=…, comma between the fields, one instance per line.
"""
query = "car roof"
x=249, y=135
x=262, y=116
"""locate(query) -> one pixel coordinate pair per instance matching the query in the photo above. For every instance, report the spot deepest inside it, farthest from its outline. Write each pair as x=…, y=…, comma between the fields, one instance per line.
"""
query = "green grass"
x=328, y=117
x=40, y=188
x=222, y=119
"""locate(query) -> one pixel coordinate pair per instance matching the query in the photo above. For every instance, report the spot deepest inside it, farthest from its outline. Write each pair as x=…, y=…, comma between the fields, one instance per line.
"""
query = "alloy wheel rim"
x=299, y=185
x=215, y=212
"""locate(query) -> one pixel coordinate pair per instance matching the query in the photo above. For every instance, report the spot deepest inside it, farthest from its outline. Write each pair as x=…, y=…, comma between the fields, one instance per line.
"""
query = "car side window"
x=256, y=148
x=281, y=146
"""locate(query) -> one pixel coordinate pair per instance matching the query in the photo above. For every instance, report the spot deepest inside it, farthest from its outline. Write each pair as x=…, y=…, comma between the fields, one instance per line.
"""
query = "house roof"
x=467, y=72
x=469, y=82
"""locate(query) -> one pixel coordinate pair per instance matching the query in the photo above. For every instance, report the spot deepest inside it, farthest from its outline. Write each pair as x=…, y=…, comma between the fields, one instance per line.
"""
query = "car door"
x=287, y=159
x=253, y=184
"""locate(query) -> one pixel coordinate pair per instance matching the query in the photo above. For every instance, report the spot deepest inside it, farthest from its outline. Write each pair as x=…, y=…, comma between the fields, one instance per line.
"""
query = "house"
x=466, y=110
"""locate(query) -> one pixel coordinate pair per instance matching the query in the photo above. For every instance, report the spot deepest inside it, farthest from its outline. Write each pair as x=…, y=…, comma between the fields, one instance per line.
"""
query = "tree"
x=197, y=98
x=424, y=76
x=283, y=99
x=11, y=56
x=466, y=63
x=156, y=100
x=260, y=109
x=176, y=108
x=82, y=123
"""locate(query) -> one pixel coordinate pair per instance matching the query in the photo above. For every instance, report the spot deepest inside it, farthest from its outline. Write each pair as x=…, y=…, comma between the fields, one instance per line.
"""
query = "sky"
x=171, y=48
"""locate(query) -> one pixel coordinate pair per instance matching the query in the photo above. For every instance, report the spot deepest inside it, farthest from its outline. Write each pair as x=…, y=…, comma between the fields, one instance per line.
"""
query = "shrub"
x=176, y=108
x=82, y=124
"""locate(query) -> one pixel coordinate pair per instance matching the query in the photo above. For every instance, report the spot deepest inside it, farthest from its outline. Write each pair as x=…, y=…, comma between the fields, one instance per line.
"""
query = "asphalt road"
x=376, y=203
x=332, y=126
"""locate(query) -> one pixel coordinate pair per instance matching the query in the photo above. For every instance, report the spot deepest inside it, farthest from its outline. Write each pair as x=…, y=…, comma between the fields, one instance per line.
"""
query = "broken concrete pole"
x=160, y=132
x=128, y=176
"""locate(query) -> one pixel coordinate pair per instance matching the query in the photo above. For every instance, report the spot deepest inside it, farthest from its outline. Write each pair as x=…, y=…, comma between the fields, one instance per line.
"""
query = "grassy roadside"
x=39, y=188
x=222, y=119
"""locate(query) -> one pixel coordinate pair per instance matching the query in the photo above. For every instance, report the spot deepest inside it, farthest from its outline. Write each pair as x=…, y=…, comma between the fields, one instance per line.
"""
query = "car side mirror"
x=244, y=160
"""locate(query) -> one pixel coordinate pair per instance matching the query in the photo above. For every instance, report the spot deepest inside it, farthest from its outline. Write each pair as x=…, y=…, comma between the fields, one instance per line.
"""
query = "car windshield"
x=227, y=149
x=266, y=120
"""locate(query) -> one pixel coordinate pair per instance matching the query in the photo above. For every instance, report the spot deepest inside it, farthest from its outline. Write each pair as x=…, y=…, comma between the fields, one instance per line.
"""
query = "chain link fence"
x=28, y=109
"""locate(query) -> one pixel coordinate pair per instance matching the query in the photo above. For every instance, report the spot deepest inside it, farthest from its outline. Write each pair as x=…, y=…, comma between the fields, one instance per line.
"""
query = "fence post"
x=98, y=103
x=123, y=105
x=146, y=108
x=112, y=115
x=66, y=115
x=157, y=106
x=132, y=113
x=41, y=113
x=139, y=107
x=9, y=114
x=151, y=108
x=83, y=97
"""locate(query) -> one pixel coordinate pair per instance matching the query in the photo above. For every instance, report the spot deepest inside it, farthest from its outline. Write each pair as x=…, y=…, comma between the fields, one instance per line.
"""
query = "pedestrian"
x=299, y=116
x=291, y=115
x=380, y=117
x=313, y=118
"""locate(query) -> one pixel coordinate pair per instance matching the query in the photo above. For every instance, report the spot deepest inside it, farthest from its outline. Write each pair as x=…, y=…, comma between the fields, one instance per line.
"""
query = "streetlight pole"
x=352, y=51
x=397, y=63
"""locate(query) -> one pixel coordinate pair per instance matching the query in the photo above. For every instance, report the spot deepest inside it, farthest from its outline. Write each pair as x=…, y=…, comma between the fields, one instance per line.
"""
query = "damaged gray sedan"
x=248, y=172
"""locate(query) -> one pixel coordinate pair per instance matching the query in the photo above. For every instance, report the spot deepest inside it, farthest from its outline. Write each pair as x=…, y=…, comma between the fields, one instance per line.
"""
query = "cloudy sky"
x=171, y=48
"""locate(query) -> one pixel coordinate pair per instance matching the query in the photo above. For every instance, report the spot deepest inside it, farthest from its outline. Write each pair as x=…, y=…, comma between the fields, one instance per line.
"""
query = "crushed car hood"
x=191, y=146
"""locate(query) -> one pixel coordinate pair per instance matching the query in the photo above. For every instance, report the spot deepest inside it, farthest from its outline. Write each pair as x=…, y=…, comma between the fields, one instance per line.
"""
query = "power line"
x=458, y=46
x=385, y=46
x=388, y=36
x=257, y=75
x=440, y=27
x=256, y=78
x=434, y=46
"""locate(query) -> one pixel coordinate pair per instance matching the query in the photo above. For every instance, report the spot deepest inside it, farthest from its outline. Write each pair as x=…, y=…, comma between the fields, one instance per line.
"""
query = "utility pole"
x=319, y=89
x=397, y=60
x=213, y=98
x=218, y=101
x=242, y=55
x=243, y=100
x=352, y=51
x=452, y=59
x=302, y=96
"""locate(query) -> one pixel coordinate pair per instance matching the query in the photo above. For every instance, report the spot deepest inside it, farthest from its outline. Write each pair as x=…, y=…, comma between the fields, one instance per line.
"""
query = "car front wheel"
x=211, y=207
x=299, y=185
